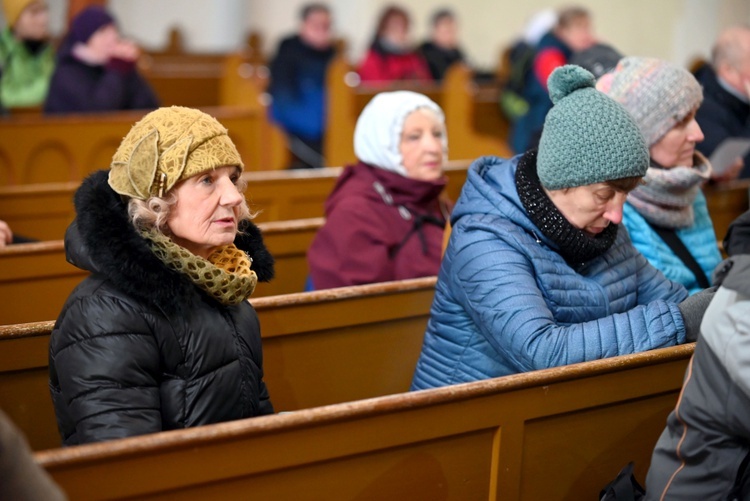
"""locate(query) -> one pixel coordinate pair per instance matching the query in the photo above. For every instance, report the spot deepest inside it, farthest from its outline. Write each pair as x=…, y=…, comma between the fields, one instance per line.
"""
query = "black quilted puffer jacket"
x=138, y=348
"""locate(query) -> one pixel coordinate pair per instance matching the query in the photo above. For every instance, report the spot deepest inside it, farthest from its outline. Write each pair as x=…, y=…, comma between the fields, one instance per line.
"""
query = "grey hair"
x=728, y=48
x=153, y=213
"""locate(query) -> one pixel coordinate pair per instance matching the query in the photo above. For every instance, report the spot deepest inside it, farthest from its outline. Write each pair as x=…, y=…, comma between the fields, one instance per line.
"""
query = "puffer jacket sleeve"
x=104, y=363
x=496, y=283
x=653, y=285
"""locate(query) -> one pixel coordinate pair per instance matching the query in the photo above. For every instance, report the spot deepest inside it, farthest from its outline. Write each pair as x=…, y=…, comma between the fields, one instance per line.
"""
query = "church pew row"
x=67, y=148
x=725, y=203
x=43, y=211
x=40, y=149
x=183, y=78
x=473, y=120
x=319, y=348
x=35, y=279
x=558, y=434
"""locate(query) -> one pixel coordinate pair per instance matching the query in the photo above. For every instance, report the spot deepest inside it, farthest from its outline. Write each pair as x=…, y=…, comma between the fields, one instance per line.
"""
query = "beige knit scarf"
x=666, y=196
x=225, y=275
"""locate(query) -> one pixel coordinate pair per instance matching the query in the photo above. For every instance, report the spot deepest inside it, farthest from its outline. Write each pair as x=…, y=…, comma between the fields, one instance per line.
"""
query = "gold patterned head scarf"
x=167, y=146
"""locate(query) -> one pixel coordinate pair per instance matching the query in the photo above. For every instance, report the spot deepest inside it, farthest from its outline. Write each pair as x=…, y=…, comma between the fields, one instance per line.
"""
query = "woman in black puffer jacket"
x=160, y=336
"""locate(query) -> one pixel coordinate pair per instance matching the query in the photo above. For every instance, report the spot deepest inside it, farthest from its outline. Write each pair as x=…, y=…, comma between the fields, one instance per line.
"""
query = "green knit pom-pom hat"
x=588, y=137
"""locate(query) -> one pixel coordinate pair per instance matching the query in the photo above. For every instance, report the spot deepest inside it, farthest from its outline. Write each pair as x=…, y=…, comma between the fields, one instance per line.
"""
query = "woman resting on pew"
x=385, y=217
x=538, y=271
x=703, y=452
x=160, y=336
x=667, y=216
x=391, y=56
x=96, y=69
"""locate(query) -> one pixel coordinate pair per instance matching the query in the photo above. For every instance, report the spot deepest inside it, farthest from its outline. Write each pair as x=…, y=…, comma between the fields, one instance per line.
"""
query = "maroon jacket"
x=381, y=65
x=366, y=240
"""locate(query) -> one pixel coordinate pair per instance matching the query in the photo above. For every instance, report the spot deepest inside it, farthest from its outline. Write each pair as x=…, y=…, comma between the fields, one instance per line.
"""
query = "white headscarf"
x=377, y=135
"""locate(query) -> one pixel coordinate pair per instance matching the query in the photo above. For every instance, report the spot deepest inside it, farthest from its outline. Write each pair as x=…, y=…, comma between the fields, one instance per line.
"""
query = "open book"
x=728, y=151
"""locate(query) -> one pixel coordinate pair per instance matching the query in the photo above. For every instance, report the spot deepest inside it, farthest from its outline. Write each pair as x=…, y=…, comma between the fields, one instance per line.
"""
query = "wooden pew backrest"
x=726, y=203
x=319, y=348
x=555, y=434
x=36, y=279
x=67, y=148
x=44, y=211
x=472, y=116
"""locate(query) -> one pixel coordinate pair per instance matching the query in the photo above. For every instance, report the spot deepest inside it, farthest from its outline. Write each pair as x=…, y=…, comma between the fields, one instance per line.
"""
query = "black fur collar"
x=102, y=240
x=574, y=245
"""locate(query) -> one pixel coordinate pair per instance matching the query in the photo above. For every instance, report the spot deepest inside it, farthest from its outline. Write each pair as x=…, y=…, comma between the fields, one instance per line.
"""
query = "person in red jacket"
x=385, y=217
x=391, y=56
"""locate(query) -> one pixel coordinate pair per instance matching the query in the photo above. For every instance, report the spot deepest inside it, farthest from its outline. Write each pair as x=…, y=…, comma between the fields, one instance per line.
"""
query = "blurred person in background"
x=442, y=50
x=391, y=56
x=298, y=85
x=725, y=112
x=96, y=69
x=572, y=33
x=26, y=56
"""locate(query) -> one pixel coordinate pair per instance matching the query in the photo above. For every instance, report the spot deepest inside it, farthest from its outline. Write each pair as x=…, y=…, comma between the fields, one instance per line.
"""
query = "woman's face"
x=677, y=147
x=590, y=208
x=316, y=29
x=103, y=41
x=445, y=33
x=33, y=23
x=206, y=214
x=396, y=30
x=578, y=35
x=421, y=145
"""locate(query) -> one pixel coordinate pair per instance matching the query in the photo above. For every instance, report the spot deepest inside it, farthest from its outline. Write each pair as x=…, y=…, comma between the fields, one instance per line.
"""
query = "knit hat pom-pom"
x=568, y=79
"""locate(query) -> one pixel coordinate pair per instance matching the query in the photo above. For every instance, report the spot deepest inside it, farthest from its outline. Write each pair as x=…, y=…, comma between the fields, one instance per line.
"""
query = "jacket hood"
x=490, y=188
x=102, y=240
x=738, y=278
x=359, y=181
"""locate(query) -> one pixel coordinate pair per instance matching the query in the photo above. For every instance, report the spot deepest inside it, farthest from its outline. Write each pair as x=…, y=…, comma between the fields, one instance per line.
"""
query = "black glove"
x=692, y=310
x=720, y=272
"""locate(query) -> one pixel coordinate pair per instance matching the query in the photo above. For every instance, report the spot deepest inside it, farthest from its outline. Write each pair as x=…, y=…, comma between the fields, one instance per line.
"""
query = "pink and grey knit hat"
x=657, y=94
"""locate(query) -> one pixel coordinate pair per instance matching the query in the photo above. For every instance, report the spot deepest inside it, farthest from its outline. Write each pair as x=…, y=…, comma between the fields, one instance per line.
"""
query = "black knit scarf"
x=574, y=245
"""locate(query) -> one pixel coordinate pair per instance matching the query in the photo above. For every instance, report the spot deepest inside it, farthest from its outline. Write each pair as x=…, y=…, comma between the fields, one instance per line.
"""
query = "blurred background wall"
x=676, y=30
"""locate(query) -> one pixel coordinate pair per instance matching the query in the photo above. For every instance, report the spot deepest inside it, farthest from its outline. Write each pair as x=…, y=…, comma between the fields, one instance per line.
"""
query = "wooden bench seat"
x=319, y=348
x=557, y=434
x=44, y=211
x=35, y=279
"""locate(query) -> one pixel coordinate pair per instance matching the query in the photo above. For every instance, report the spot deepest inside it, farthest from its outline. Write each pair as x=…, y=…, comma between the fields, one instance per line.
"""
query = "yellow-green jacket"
x=25, y=76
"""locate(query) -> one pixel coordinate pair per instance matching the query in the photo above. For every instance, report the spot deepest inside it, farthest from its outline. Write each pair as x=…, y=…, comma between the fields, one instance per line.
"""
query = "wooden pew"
x=189, y=79
x=555, y=434
x=319, y=348
x=473, y=120
x=31, y=271
x=35, y=279
x=180, y=78
x=44, y=211
x=726, y=203
x=67, y=148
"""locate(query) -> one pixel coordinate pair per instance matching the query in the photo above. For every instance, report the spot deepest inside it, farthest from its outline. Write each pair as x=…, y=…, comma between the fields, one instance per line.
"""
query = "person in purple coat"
x=96, y=69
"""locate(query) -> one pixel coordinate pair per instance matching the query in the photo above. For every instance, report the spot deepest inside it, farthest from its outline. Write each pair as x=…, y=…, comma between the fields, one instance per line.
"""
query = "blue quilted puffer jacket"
x=507, y=302
x=700, y=239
